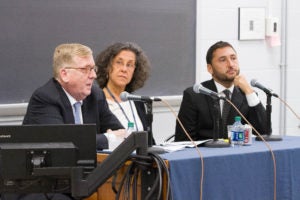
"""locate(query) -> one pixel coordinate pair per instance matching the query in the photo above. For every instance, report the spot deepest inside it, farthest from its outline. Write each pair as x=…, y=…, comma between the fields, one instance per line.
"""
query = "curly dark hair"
x=142, y=66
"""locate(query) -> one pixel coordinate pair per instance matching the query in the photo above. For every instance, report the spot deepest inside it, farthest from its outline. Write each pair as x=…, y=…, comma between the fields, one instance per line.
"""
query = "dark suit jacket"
x=196, y=113
x=141, y=110
x=49, y=104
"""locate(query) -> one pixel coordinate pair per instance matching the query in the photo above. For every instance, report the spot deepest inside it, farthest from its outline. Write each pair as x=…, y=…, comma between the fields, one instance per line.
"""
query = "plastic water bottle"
x=237, y=132
x=130, y=128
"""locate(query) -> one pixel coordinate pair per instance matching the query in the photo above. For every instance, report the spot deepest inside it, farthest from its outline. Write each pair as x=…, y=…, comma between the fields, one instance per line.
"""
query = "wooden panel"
x=105, y=192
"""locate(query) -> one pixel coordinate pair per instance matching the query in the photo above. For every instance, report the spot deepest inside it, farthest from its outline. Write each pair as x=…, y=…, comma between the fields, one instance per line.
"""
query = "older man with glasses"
x=70, y=97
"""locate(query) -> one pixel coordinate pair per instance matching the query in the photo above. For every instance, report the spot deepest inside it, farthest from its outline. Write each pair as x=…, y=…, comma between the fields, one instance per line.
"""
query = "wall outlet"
x=272, y=26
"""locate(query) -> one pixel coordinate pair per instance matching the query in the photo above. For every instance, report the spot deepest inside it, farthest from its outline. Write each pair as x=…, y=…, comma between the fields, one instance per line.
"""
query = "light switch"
x=251, y=23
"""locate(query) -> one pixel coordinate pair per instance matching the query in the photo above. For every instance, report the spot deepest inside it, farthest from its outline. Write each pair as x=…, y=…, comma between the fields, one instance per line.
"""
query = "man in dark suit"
x=74, y=72
x=197, y=110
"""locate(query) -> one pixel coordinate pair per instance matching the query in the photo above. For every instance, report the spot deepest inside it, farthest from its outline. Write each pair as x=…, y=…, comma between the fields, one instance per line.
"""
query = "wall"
x=218, y=20
x=293, y=68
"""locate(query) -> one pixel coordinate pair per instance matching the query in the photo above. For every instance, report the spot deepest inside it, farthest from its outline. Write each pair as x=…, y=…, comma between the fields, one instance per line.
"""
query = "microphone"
x=255, y=83
x=125, y=96
x=198, y=88
x=268, y=136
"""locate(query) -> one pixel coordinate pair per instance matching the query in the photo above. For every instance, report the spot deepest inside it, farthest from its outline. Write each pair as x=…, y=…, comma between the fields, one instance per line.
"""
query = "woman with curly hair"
x=124, y=66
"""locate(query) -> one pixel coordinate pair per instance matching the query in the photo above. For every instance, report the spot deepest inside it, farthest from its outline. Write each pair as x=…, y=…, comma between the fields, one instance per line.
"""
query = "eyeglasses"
x=85, y=70
x=120, y=64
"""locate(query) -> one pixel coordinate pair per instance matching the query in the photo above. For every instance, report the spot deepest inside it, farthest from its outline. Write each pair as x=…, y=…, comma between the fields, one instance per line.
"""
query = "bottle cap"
x=130, y=125
x=237, y=118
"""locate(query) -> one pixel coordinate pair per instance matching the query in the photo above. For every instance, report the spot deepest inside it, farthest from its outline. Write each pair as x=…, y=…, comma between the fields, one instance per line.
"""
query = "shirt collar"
x=221, y=88
x=71, y=99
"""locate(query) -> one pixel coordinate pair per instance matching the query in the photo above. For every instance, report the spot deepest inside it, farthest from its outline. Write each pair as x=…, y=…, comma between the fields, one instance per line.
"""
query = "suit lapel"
x=211, y=85
x=85, y=110
x=66, y=105
x=89, y=110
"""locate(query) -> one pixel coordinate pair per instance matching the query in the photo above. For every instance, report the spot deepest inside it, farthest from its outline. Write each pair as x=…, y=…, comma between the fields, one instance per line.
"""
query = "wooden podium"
x=105, y=192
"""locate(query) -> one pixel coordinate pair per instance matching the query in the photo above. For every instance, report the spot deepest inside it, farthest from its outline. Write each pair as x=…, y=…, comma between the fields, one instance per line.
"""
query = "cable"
x=195, y=145
x=113, y=183
x=126, y=176
x=114, y=180
x=157, y=183
x=166, y=170
x=267, y=144
x=286, y=104
x=129, y=182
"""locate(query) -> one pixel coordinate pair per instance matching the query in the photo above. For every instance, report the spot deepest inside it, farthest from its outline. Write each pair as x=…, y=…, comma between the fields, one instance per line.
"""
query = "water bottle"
x=130, y=128
x=237, y=132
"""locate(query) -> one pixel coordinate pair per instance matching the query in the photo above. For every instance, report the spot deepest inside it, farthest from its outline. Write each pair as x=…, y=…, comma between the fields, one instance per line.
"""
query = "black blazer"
x=196, y=113
x=49, y=104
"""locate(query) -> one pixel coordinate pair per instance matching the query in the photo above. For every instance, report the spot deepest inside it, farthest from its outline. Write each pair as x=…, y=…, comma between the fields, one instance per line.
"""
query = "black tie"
x=225, y=111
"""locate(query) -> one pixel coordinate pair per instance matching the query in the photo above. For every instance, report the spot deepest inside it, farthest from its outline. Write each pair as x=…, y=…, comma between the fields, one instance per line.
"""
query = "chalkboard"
x=31, y=29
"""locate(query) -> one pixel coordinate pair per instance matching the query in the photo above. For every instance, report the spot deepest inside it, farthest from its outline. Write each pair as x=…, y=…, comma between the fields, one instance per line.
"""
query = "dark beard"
x=224, y=78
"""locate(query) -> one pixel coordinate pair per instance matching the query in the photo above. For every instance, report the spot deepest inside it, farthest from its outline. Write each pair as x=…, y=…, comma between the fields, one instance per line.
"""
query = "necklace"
x=124, y=113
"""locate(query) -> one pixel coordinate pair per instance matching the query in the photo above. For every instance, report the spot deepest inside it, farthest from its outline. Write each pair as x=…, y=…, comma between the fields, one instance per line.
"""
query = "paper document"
x=176, y=146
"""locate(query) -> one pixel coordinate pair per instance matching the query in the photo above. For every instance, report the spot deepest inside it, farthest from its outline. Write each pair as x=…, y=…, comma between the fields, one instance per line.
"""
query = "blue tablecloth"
x=237, y=173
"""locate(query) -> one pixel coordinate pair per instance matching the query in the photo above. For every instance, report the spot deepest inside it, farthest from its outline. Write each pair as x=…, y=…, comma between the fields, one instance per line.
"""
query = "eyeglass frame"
x=119, y=64
x=85, y=69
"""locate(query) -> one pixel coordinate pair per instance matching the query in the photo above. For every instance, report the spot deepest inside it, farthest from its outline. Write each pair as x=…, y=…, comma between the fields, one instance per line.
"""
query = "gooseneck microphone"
x=268, y=136
x=268, y=91
x=125, y=96
x=198, y=88
x=217, y=125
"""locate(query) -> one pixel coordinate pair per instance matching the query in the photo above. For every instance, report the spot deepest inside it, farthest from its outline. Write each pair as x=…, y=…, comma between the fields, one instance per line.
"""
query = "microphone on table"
x=268, y=91
x=268, y=136
x=254, y=83
x=125, y=96
x=198, y=88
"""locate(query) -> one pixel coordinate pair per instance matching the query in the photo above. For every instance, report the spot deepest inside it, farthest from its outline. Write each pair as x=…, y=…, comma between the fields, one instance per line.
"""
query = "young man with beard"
x=196, y=111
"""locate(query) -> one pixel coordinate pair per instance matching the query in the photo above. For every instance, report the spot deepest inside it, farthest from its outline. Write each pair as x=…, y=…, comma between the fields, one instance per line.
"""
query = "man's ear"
x=209, y=68
x=64, y=76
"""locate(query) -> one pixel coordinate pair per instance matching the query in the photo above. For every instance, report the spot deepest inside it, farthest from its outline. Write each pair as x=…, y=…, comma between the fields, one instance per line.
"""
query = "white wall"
x=293, y=67
x=218, y=20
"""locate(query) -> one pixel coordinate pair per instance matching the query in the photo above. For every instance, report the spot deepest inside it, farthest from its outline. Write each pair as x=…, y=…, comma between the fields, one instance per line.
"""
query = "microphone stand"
x=268, y=136
x=149, y=115
x=216, y=143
